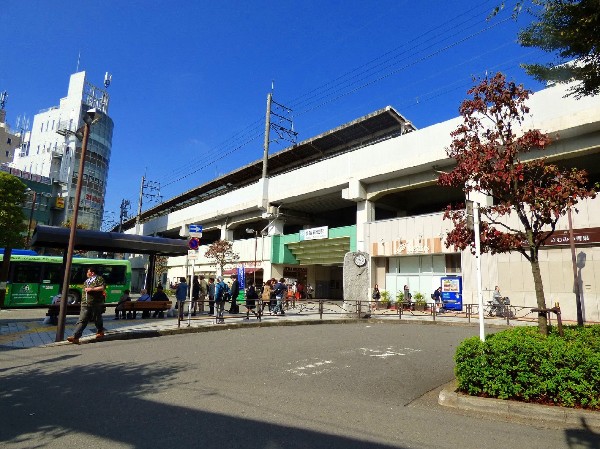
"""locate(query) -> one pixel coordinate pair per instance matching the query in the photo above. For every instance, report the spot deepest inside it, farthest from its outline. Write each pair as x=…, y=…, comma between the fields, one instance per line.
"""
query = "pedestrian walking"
x=92, y=306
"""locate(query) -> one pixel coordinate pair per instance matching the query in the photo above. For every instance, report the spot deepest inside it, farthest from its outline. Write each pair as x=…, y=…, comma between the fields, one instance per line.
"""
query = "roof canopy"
x=112, y=242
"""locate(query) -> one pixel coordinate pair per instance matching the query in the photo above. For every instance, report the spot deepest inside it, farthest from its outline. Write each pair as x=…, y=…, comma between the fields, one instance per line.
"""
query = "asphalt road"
x=316, y=386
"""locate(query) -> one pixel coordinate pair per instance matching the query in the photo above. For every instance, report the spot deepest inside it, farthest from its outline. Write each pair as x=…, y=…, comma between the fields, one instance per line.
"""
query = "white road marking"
x=390, y=351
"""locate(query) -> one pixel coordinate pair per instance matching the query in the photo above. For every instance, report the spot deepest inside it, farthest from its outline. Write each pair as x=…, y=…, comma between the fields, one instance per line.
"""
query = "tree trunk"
x=539, y=293
x=4, y=274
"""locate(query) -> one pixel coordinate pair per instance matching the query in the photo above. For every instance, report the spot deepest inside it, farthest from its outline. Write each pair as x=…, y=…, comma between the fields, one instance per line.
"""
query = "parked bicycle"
x=499, y=307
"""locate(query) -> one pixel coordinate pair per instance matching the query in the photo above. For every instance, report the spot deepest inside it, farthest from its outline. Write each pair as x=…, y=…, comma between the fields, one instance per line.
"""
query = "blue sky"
x=190, y=79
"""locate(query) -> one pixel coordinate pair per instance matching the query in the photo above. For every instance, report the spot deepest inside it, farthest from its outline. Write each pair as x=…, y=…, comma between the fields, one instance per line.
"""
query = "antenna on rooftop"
x=3, y=98
x=107, y=79
x=78, y=58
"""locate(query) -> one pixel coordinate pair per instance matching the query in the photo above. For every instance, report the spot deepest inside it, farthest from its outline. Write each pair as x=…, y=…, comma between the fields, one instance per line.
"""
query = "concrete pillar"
x=275, y=227
x=226, y=234
x=365, y=213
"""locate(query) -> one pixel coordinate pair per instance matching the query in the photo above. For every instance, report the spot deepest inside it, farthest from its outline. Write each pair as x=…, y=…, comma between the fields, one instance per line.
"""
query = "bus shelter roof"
x=112, y=242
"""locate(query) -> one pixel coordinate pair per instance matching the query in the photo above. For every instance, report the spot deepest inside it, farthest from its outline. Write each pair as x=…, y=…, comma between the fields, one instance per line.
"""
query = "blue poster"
x=452, y=292
x=241, y=274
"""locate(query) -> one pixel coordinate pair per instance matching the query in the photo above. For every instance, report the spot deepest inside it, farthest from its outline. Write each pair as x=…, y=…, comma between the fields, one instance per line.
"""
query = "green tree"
x=571, y=30
x=12, y=223
x=492, y=159
x=221, y=253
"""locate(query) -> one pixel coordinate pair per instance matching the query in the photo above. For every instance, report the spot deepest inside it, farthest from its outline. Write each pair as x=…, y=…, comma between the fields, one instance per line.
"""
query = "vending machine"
x=452, y=292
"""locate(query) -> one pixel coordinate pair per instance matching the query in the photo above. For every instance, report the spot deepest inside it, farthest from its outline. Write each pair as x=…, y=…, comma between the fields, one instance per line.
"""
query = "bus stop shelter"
x=110, y=242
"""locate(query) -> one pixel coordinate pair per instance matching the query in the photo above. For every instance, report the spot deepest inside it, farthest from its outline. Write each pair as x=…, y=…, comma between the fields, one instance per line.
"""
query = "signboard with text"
x=314, y=233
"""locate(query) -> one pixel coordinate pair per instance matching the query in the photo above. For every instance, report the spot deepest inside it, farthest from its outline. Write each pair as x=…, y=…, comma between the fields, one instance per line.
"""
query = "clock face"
x=360, y=260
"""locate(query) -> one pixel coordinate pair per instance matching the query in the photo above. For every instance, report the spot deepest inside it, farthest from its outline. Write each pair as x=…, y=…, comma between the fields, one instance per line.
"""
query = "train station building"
x=371, y=185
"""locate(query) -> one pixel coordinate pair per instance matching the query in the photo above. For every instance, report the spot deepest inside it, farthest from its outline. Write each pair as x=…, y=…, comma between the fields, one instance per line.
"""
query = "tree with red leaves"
x=221, y=252
x=497, y=159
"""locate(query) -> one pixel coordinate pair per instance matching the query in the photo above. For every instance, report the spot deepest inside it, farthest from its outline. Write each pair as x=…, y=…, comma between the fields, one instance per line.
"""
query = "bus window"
x=52, y=274
x=113, y=275
x=78, y=274
x=26, y=273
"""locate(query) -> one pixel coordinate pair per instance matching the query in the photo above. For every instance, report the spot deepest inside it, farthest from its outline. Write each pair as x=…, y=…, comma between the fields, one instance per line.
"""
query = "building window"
x=9, y=141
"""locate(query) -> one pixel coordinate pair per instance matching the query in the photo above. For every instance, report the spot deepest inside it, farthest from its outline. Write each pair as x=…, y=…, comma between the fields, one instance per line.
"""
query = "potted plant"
x=420, y=302
x=399, y=300
x=385, y=299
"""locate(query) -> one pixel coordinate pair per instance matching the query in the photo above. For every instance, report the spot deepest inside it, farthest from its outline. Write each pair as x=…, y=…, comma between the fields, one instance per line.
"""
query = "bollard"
x=320, y=309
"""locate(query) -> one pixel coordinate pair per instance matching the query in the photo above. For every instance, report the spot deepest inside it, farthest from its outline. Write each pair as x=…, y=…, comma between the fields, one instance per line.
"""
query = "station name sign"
x=584, y=236
x=314, y=233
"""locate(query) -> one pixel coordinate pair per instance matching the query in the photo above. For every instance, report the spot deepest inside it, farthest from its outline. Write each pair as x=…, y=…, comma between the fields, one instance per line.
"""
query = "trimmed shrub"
x=521, y=364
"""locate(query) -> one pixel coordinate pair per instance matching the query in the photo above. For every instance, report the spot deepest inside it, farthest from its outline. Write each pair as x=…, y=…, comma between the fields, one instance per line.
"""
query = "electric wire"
x=314, y=100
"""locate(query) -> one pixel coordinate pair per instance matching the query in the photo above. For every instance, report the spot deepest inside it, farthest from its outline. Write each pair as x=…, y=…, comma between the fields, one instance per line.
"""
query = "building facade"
x=52, y=149
x=371, y=185
x=9, y=140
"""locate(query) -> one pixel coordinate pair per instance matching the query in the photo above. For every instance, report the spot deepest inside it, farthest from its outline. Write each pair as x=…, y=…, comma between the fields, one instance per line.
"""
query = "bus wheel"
x=73, y=297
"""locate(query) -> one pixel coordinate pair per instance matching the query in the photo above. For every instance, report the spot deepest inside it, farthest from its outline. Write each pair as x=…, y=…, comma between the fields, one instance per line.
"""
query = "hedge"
x=521, y=364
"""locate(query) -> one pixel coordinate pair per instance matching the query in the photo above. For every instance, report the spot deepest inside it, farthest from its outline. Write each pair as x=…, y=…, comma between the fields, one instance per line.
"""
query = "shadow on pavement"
x=44, y=404
x=584, y=437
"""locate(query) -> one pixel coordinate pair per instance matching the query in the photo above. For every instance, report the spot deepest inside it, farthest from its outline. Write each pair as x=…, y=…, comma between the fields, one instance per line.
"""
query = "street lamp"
x=252, y=231
x=89, y=118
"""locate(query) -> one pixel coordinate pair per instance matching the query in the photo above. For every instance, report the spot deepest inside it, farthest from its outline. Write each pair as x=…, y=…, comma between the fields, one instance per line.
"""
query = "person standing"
x=181, y=293
x=220, y=290
x=437, y=299
x=203, y=293
x=251, y=297
x=195, y=294
x=280, y=291
x=266, y=295
x=211, y=296
x=309, y=291
x=235, y=291
x=92, y=306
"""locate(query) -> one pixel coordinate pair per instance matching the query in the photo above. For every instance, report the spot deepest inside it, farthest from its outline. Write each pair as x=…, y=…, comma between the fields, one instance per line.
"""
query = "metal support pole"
x=478, y=268
x=139, y=212
x=62, y=314
x=267, y=131
x=575, y=275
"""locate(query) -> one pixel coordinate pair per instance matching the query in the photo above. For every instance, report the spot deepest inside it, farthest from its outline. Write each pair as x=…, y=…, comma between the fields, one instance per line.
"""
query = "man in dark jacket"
x=235, y=291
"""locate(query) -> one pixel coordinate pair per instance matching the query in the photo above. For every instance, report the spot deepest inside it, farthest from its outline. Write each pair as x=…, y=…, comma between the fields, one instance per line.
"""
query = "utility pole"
x=125, y=205
x=144, y=187
x=279, y=119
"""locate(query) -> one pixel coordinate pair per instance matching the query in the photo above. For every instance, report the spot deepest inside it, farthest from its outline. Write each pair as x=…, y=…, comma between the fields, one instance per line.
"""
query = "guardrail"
x=363, y=309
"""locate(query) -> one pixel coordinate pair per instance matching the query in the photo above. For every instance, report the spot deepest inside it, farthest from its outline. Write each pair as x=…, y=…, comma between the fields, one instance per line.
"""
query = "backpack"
x=224, y=293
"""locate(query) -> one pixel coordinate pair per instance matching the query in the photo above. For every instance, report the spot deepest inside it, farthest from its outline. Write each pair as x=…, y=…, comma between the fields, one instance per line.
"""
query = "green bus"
x=36, y=280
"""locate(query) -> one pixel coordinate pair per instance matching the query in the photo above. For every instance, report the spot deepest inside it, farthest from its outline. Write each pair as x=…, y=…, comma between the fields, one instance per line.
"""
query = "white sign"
x=193, y=254
x=314, y=233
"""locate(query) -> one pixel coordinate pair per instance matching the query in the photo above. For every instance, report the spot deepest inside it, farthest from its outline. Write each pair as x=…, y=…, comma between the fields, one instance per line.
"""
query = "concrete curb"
x=521, y=410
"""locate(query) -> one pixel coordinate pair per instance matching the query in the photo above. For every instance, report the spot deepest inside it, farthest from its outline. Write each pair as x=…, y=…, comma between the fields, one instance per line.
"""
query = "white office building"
x=52, y=149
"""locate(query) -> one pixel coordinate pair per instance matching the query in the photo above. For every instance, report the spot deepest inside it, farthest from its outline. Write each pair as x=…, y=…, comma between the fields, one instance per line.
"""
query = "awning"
x=112, y=242
x=320, y=252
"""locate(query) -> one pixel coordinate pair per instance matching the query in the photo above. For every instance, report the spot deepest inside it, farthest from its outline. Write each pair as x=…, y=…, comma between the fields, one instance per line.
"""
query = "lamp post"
x=89, y=118
x=252, y=231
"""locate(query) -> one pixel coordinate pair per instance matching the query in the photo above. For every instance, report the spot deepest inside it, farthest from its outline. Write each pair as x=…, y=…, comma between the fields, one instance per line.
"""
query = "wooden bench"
x=71, y=309
x=146, y=306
